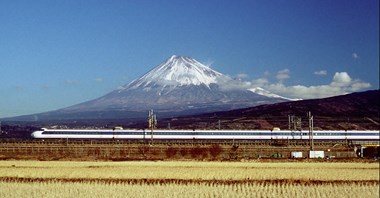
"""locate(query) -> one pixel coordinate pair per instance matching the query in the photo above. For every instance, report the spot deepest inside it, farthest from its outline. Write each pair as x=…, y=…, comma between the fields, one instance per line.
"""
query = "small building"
x=316, y=154
x=296, y=154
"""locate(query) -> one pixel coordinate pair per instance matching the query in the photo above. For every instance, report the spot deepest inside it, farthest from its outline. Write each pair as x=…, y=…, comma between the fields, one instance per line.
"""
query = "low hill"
x=354, y=111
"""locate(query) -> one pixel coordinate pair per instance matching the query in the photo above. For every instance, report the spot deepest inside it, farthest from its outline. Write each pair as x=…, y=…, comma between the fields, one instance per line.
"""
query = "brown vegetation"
x=187, y=179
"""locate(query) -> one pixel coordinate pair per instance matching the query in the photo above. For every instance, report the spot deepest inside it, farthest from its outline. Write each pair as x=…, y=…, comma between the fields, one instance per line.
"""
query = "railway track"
x=274, y=142
x=163, y=149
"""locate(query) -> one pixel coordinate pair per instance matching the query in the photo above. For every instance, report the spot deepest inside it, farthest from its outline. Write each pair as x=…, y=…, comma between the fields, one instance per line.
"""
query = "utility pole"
x=1, y=130
x=152, y=122
x=311, y=138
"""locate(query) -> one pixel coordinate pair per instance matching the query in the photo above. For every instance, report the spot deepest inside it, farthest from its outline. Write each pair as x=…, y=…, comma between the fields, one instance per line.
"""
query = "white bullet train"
x=119, y=133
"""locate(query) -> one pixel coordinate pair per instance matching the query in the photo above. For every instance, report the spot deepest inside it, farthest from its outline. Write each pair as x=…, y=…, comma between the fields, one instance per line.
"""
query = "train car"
x=118, y=133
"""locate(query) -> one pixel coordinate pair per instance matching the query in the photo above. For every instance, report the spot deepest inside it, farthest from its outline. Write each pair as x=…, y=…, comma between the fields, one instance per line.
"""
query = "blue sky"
x=55, y=54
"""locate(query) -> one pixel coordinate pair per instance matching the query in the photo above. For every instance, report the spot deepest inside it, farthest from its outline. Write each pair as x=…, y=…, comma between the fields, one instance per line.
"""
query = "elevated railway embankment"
x=67, y=149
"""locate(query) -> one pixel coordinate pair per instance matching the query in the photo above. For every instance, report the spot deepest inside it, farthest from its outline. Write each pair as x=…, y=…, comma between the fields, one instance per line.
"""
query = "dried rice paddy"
x=187, y=179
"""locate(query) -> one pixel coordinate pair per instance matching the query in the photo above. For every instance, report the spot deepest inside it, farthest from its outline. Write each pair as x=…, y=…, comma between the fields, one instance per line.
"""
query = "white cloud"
x=341, y=84
x=242, y=76
x=341, y=79
x=283, y=74
x=357, y=85
x=355, y=55
x=71, y=82
x=304, y=92
x=99, y=80
x=321, y=73
x=228, y=83
x=260, y=82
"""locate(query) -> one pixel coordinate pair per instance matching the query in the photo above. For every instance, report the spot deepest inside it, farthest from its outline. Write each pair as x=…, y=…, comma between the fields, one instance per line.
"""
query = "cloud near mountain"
x=341, y=84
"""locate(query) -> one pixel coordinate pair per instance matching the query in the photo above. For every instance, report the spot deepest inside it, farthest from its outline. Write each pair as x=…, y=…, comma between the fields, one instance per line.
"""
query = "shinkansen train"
x=119, y=133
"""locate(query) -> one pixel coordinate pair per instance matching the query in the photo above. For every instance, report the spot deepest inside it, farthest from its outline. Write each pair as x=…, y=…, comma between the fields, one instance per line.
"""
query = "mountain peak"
x=186, y=60
x=177, y=71
x=174, y=57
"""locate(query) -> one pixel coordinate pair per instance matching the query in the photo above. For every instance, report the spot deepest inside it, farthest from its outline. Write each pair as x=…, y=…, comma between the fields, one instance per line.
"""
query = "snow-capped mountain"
x=176, y=71
x=179, y=86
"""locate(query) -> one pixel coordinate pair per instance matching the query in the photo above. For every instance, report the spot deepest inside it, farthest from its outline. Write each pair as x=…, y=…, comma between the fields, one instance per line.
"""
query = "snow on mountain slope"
x=263, y=92
x=176, y=71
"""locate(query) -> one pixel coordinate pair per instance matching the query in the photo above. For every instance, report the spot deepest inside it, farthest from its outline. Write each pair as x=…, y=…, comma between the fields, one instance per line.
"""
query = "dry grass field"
x=187, y=179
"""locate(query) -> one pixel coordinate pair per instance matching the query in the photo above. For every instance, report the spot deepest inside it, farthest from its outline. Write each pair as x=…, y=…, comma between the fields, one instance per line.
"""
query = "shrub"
x=183, y=152
x=170, y=152
x=143, y=150
x=198, y=152
x=215, y=150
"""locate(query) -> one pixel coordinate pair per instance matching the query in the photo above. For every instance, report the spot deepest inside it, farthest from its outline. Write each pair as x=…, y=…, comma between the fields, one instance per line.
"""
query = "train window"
x=364, y=134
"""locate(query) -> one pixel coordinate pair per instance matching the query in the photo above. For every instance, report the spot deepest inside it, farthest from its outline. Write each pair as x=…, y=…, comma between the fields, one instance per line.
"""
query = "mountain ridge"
x=354, y=111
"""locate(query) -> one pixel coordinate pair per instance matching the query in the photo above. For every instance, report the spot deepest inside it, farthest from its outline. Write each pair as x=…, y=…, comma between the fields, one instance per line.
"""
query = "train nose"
x=34, y=134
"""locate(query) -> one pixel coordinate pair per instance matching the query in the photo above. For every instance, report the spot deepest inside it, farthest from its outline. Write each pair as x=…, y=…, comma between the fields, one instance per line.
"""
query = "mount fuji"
x=179, y=86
